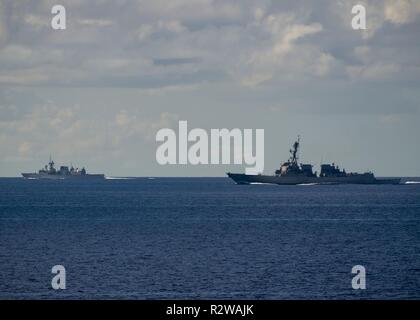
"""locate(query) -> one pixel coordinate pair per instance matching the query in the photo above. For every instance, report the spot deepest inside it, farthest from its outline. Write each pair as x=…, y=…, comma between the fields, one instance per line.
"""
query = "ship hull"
x=63, y=177
x=285, y=180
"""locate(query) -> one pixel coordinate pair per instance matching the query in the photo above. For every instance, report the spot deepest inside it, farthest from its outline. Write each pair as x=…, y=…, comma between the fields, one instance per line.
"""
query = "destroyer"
x=50, y=172
x=292, y=173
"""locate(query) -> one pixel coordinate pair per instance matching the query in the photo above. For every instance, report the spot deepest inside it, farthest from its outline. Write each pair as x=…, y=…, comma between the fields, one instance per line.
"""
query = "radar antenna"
x=51, y=163
x=294, y=151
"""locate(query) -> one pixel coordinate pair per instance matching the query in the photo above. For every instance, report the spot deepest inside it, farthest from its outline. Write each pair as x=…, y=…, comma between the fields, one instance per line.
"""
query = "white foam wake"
x=264, y=183
x=118, y=178
x=412, y=182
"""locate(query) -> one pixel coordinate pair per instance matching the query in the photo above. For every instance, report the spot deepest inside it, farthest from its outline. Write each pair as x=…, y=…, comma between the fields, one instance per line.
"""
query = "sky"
x=96, y=93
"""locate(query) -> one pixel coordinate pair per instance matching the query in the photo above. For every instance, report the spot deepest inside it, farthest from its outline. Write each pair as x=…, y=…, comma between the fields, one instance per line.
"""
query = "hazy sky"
x=96, y=93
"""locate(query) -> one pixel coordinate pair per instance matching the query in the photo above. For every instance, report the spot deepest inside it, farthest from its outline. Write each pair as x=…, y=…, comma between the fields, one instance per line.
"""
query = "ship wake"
x=412, y=182
x=261, y=183
x=119, y=178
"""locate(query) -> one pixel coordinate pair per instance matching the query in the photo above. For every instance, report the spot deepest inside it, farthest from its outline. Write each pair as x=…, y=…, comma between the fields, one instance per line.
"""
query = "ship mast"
x=294, y=152
x=51, y=164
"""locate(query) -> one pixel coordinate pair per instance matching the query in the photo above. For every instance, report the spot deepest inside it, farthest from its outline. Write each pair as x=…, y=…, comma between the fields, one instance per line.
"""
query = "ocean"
x=207, y=238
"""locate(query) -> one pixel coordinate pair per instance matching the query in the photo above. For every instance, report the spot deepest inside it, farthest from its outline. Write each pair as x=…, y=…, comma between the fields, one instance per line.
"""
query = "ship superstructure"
x=50, y=172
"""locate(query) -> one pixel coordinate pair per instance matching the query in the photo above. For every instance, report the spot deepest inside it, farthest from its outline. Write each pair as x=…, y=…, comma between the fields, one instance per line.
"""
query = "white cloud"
x=155, y=44
x=284, y=51
x=378, y=13
x=256, y=79
x=25, y=149
x=293, y=33
x=171, y=26
x=71, y=132
x=37, y=21
x=401, y=11
x=133, y=124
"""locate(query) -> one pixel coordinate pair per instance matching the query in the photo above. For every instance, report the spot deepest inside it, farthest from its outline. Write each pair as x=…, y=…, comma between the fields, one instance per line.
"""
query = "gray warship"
x=293, y=173
x=50, y=172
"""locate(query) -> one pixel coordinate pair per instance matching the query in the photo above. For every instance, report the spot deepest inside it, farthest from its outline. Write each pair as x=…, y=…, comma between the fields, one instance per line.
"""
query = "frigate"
x=50, y=172
x=292, y=172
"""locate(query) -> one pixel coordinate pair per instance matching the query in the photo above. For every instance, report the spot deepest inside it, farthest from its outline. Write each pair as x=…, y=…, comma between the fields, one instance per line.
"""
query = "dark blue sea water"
x=207, y=238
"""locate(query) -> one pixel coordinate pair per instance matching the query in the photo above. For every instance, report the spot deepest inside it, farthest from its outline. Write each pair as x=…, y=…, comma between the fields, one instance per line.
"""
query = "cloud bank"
x=123, y=69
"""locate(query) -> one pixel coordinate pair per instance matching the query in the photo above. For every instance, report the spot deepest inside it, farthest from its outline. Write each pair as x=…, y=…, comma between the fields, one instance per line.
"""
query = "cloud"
x=390, y=119
x=256, y=79
x=372, y=72
x=284, y=51
x=25, y=149
x=160, y=27
x=191, y=11
x=3, y=25
x=33, y=129
x=96, y=22
x=380, y=14
x=401, y=11
x=155, y=44
x=123, y=69
x=132, y=124
x=37, y=21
